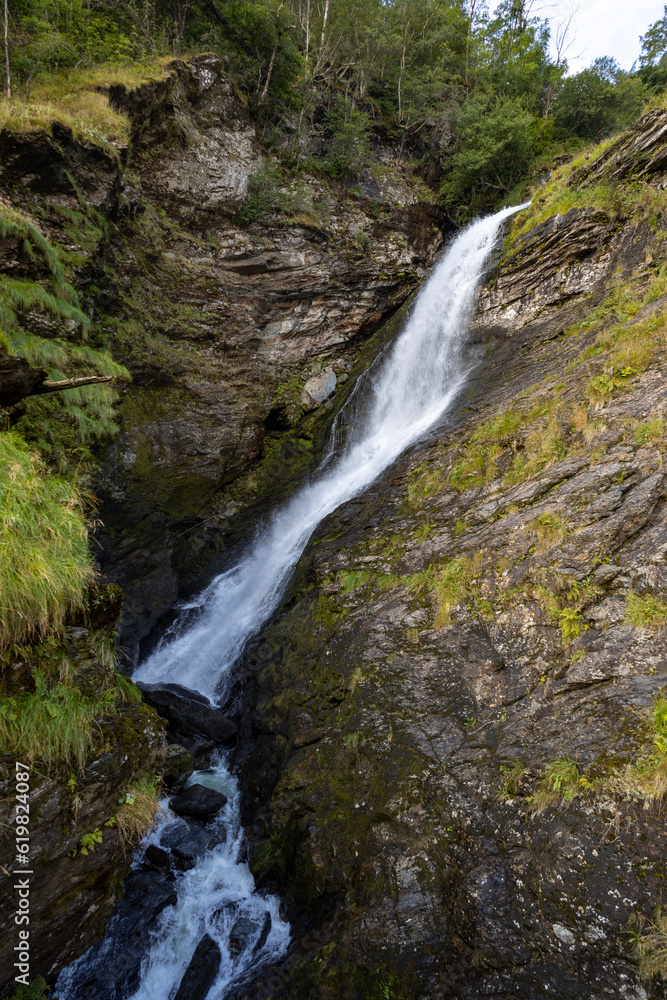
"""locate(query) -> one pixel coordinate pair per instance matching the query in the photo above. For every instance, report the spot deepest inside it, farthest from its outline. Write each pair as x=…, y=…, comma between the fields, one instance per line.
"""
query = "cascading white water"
x=402, y=396
x=410, y=390
x=211, y=898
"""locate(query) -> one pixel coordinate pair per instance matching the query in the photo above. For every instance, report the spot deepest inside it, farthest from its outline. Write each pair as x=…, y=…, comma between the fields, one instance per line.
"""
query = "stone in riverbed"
x=198, y=801
x=188, y=841
x=178, y=765
x=201, y=972
x=243, y=931
x=318, y=389
x=188, y=712
x=157, y=858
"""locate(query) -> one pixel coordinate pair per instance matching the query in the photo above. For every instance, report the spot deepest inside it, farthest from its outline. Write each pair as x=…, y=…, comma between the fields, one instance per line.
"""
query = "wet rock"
x=188, y=712
x=189, y=841
x=111, y=969
x=317, y=390
x=201, y=972
x=156, y=858
x=178, y=765
x=198, y=802
x=247, y=929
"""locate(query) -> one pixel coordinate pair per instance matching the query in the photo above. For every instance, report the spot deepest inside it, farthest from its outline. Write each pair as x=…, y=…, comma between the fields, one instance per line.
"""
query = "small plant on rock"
x=646, y=612
x=561, y=780
x=649, y=941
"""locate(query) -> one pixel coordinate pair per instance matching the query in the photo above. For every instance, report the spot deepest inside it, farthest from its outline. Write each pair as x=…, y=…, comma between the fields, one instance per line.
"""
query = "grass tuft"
x=46, y=566
x=646, y=778
x=649, y=938
x=55, y=724
x=137, y=810
x=646, y=612
x=561, y=780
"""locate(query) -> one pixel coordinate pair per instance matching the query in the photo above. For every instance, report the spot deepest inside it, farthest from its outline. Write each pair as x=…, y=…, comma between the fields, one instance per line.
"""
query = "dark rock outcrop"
x=18, y=379
x=201, y=972
x=110, y=970
x=198, y=801
x=405, y=730
x=178, y=765
x=188, y=712
x=188, y=841
x=246, y=930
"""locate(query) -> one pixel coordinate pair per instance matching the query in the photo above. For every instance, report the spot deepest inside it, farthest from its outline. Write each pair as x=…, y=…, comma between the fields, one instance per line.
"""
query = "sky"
x=601, y=27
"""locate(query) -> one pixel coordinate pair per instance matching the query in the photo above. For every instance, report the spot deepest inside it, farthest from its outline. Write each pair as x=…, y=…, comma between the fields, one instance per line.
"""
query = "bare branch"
x=71, y=383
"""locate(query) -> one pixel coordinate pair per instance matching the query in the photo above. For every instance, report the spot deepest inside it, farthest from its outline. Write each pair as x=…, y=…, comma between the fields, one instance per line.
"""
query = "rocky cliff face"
x=220, y=317
x=83, y=817
x=222, y=321
x=444, y=776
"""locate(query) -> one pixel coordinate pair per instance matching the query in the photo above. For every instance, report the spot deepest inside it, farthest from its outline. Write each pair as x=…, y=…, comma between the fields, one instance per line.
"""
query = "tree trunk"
x=324, y=23
x=8, y=89
x=270, y=70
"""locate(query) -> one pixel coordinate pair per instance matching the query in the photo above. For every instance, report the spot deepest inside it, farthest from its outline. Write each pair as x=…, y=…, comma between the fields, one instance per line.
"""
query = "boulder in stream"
x=245, y=929
x=110, y=970
x=178, y=765
x=198, y=801
x=201, y=972
x=188, y=712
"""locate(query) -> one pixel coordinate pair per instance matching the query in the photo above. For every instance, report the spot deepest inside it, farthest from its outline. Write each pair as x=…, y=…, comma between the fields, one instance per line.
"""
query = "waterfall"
x=400, y=397
x=405, y=395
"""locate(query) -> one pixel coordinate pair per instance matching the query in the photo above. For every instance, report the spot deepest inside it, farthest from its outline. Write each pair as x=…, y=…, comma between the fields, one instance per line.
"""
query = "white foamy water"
x=395, y=403
x=402, y=398
x=212, y=897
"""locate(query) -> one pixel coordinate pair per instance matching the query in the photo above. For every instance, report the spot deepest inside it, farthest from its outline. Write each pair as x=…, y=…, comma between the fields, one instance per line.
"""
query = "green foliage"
x=645, y=778
x=648, y=938
x=646, y=612
x=654, y=42
x=550, y=529
x=88, y=842
x=512, y=775
x=269, y=193
x=349, y=146
x=137, y=808
x=37, y=989
x=46, y=565
x=495, y=143
x=84, y=414
x=561, y=780
x=446, y=586
x=571, y=623
x=55, y=724
x=650, y=430
x=597, y=101
x=482, y=90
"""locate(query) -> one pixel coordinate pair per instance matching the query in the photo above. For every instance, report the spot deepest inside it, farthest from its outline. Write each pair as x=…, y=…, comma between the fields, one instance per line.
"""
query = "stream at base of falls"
x=215, y=898
x=404, y=393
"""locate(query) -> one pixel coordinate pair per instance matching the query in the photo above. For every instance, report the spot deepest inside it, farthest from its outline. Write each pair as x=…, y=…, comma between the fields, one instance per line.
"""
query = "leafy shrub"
x=349, y=147
x=494, y=147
